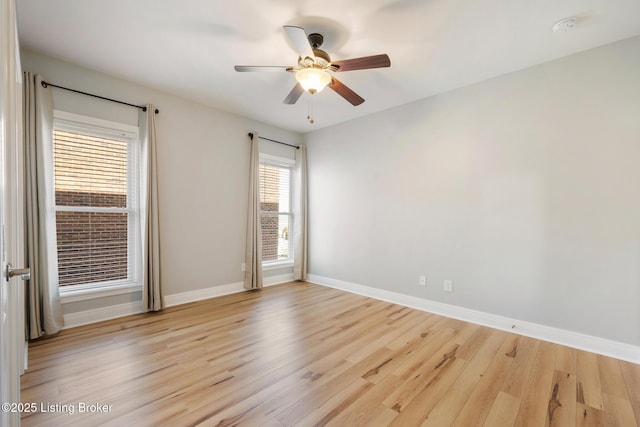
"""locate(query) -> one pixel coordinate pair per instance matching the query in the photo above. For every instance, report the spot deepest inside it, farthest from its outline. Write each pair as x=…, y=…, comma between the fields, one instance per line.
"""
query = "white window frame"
x=133, y=283
x=270, y=159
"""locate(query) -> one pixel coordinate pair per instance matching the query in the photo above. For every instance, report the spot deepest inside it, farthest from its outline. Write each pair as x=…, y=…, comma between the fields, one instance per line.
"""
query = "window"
x=275, y=209
x=96, y=203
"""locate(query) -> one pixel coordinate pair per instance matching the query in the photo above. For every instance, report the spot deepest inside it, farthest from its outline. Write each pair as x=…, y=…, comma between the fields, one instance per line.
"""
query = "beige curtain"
x=43, y=309
x=300, y=227
x=149, y=214
x=253, y=256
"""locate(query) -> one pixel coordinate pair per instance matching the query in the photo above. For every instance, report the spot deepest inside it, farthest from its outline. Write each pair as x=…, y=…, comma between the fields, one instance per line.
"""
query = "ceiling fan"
x=314, y=65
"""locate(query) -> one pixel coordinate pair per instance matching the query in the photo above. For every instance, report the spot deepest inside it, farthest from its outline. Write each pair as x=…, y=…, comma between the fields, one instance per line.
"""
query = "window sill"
x=276, y=265
x=74, y=295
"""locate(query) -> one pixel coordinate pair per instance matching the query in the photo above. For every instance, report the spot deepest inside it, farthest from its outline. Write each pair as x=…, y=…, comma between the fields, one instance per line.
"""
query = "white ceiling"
x=189, y=47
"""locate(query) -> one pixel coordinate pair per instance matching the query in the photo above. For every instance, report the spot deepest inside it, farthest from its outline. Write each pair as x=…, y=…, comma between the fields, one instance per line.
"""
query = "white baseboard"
x=114, y=311
x=80, y=318
x=218, y=291
x=577, y=340
x=200, y=294
x=277, y=280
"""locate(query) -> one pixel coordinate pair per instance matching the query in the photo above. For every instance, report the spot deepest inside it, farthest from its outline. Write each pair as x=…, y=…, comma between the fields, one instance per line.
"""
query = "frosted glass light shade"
x=313, y=80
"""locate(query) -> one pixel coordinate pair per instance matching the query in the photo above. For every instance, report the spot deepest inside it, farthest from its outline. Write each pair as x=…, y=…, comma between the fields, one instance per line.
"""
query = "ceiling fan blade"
x=275, y=68
x=375, y=61
x=299, y=39
x=293, y=96
x=345, y=92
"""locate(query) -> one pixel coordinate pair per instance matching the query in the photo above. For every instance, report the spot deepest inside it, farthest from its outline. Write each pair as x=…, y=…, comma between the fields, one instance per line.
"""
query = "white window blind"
x=275, y=215
x=95, y=206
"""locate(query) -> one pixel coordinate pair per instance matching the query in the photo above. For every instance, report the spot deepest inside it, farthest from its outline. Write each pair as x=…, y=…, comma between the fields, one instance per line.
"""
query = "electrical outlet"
x=448, y=285
x=423, y=281
x=243, y=267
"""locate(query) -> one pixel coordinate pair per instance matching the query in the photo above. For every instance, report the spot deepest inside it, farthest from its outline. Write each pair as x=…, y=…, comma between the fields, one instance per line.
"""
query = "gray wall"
x=203, y=161
x=522, y=189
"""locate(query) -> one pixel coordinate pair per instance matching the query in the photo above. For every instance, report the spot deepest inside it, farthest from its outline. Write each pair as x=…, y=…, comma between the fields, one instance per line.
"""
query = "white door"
x=11, y=291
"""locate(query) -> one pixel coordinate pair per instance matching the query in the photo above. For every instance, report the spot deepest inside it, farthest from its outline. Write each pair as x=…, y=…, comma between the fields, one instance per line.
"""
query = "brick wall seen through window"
x=92, y=216
x=275, y=191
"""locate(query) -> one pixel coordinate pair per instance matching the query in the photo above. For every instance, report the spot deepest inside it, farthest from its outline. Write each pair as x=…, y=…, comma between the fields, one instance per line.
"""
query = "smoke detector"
x=564, y=25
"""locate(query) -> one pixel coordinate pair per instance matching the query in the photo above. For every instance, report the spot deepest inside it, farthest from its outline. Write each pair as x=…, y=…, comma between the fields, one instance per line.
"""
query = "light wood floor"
x=302, y=354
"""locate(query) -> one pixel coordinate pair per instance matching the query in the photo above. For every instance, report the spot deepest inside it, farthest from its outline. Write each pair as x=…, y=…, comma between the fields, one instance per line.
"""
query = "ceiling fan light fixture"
x=313, y=80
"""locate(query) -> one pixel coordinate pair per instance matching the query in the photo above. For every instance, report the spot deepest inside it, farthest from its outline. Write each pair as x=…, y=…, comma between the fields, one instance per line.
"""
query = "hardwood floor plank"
x=589, y=387
x=417, y=410
x=586, y=416
x=315, y=398
x=538, y=395
x=619, y=412
x=561, y=409
x=426, y=327
x=611, y=377
x=276, y=398
x=382, y=370
x=450, y=405
x=302, y=354
x=566, y=360
x=269, y=422
x=432, y=345
x=410, y=357
x=506, y=362
x=631, y=375
x=523, y=355
x=360, y=412
x=471, y=338
x=504, y=410
x=381, y=416
x=408, y=324
x=338, y=402
x=421, y=377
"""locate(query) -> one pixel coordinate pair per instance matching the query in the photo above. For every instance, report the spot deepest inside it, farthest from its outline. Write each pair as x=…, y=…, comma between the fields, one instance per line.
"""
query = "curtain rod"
x=273, y=140
x=142, y=107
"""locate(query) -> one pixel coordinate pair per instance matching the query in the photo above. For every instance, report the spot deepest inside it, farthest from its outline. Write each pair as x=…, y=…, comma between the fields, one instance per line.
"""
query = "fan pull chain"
x=310, y=109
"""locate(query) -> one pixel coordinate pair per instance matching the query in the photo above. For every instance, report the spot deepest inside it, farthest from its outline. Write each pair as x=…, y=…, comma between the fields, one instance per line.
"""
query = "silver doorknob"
x=24, y=273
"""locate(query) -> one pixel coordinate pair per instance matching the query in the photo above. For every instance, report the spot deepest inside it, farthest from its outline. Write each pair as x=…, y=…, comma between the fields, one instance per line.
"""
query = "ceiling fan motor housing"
x=322, y=58
x=315, y=40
